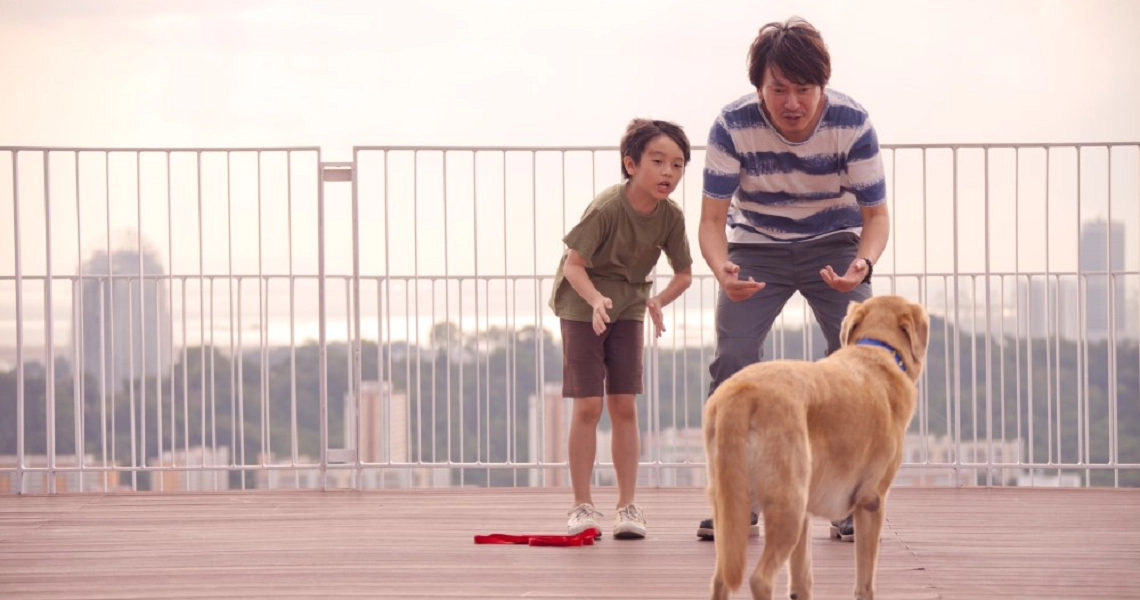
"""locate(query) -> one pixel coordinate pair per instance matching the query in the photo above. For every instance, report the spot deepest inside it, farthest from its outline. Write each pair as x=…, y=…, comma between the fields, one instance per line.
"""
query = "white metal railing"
x=260, y=317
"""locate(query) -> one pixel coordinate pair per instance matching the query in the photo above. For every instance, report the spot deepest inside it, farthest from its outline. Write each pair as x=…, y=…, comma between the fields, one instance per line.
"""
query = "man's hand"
x=601, y=317
x=737, y=290
x=654, y=306
x=855, y=274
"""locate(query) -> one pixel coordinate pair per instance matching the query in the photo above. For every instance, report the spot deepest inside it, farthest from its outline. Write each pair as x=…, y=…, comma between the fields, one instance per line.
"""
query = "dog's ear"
x=916, y=325
x=850, y=321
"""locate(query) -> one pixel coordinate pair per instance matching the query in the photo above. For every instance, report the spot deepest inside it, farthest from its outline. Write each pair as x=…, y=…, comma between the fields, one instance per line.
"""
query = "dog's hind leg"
x=783, y=524
x=868, y=527
x=799, y=566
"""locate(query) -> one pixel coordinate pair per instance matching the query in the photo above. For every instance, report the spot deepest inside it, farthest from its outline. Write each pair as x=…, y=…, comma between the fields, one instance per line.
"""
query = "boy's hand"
x=601, y=317
x=655, y=313
x=737, y=290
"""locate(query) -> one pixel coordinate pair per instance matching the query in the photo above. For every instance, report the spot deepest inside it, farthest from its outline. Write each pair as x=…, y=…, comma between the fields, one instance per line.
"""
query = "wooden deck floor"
x=938, y=543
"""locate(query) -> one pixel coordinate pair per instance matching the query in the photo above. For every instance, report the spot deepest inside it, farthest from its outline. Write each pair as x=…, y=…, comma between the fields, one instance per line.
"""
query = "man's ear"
x=850, y=322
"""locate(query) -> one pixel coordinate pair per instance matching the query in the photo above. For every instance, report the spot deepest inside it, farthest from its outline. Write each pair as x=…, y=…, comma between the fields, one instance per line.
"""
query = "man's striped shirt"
x=783, y=191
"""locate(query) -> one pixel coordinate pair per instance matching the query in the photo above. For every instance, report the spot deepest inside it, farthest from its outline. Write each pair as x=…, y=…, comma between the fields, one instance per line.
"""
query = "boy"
x=601, y=294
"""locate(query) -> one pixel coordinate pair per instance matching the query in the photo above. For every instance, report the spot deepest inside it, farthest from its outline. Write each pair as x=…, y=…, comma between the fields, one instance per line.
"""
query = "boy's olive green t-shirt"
x=620, y=248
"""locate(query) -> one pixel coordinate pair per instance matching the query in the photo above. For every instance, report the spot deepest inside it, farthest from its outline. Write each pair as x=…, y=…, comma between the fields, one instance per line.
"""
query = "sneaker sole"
x=629, y=535
x=597, y=531
x=838, y=535
x=707, y=534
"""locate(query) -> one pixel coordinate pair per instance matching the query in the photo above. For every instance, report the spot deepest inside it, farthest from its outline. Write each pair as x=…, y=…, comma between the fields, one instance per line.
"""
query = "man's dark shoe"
x=844, y=530
x=705, y=529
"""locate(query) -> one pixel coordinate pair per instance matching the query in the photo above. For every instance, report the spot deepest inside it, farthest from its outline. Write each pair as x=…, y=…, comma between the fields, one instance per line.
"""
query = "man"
x=794, y=195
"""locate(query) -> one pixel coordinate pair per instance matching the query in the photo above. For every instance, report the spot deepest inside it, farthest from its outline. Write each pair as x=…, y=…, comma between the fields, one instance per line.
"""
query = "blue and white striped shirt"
x=783, y=191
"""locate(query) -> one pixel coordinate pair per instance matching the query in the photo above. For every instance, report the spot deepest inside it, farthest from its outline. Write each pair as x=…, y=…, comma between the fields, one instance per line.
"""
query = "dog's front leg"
x=868, y=527
x=799, y=567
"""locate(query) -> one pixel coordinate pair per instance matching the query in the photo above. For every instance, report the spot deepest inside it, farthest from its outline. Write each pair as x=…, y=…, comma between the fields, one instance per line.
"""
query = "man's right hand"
x=736, y=288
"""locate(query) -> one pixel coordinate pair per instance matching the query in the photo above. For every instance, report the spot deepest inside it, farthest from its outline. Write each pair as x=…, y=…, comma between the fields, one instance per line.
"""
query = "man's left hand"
x=855, y=275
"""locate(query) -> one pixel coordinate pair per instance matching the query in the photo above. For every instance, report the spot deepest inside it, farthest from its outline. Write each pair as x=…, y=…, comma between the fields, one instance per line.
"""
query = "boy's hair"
x=793, y=47
x=640, y=132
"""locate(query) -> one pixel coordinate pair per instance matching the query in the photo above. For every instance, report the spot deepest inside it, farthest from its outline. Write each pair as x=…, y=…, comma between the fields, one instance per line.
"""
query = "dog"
x=813, y=438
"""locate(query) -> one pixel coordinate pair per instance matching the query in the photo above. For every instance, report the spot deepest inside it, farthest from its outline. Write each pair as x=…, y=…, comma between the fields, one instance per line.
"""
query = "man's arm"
x=714, y=247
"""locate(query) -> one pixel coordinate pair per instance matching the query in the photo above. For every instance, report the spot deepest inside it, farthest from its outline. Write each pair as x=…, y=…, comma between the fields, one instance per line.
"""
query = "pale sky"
x=517, y=72
x=338, y=74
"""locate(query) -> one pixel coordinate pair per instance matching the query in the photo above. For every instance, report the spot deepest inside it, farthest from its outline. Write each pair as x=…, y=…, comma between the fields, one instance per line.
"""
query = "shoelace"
x=631, y=512
x=583, y=511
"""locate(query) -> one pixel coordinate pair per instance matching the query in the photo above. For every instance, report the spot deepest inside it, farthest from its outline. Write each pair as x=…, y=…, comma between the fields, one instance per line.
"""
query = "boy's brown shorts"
x=591, y=361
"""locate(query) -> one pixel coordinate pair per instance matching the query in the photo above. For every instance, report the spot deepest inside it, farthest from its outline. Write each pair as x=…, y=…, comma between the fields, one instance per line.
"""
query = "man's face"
x=794, y=108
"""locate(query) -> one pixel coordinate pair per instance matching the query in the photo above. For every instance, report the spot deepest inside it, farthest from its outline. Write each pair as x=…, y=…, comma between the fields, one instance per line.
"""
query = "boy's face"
x=660, y=169
x=793, y=108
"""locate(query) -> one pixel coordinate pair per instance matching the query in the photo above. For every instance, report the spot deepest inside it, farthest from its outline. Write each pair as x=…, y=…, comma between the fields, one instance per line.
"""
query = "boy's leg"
x=583, y=445
x=625, y=444
x=742, y=327
x=583, y=377
x=828, y=304
x=624, y=345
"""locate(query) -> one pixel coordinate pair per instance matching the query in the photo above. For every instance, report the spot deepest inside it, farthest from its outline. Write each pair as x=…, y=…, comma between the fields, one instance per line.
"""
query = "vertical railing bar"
x=1111, y=399
x=201, y=326
x=1082, y=342
x=1017, y=302
x=20, y=414
x=486, y=323
x=107, y=322
x=237, y=415
x=924, y=291
x=446, y=309
x=354, y=343
x=416, y=311
x=957, y=362
x=1052, y=326
x=293, y=433
x=49, y=337
x=322, y=325
x=142, y=309
x=536, y=301
x=77, y=372
x=988, y=338
x=169, y=323
x=263, y=325
x=213, y=395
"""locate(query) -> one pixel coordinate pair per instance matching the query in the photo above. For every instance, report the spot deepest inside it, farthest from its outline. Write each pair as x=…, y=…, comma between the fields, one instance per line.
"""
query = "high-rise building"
x=121, y=321
x=548, y=425
x=1102, y=252
x=380, y=436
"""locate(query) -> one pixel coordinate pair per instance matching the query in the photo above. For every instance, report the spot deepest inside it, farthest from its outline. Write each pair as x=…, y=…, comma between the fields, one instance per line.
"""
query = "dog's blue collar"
x=885, y=346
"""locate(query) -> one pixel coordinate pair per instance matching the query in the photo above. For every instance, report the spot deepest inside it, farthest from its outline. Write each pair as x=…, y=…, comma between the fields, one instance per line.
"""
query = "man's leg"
x=830, y=306
x=741, y=327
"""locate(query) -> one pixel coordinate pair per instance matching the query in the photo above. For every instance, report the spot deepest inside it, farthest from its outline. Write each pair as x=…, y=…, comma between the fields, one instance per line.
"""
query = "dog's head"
x=894, y=320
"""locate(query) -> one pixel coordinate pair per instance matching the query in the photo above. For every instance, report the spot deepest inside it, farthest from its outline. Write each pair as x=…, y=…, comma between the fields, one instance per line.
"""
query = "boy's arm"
x=677, y=285
x=574, y=270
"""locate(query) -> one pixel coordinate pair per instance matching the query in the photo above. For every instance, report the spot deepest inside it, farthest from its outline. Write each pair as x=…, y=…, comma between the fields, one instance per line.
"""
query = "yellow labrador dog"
x=813, y=438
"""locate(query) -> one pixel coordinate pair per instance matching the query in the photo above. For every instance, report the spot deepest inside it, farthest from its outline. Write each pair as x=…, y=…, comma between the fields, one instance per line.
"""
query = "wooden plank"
x=938, y=543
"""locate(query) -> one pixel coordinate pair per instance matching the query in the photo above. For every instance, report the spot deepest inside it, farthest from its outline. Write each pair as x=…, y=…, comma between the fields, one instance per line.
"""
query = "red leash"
x=585, y=538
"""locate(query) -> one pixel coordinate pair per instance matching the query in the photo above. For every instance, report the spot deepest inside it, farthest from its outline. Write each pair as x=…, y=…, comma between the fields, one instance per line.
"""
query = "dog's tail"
x=731, y=490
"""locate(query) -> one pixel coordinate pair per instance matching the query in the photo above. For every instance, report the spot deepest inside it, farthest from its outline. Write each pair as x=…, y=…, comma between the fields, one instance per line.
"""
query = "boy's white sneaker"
x=629, y=523
x=583, y=517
